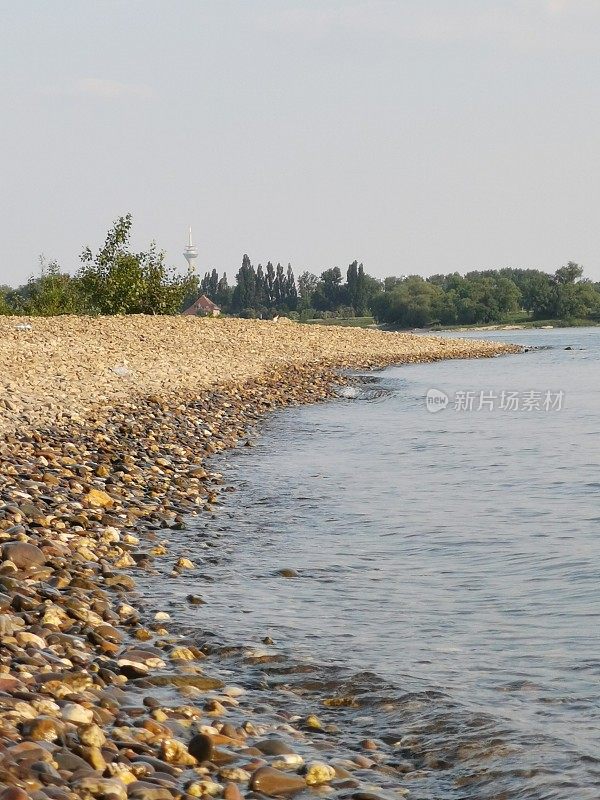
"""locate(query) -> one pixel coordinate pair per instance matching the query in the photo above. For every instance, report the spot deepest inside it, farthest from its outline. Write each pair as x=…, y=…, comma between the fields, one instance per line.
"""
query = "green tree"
x=413, y=303
x=224, y=292
x=352, y=282
x=270, y=285
x=577, y=300
x=279, y=287
x=53, y=293
x=307, y=286
x=118, y=281
x=329, y=293
x=5, y=307
x=568, y=274
x=291, y=299
x=244, y=294
x=361, y=296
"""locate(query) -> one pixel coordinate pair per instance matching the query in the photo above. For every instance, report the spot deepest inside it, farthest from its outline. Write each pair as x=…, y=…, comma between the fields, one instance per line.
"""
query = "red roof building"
x=203, y=306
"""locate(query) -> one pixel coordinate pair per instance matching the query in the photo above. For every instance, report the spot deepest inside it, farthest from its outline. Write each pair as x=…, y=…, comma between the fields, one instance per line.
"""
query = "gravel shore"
x=107, y=429
x=66, y=367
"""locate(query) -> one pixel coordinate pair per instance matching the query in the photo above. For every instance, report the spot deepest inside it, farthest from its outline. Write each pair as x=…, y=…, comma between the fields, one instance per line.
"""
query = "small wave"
x=369, y=393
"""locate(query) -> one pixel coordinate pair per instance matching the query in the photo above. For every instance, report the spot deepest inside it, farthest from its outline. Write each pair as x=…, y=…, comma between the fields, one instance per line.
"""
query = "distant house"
x=203, y=306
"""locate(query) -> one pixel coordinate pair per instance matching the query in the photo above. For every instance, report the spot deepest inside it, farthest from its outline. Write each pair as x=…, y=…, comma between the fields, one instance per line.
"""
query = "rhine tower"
x=191, y=253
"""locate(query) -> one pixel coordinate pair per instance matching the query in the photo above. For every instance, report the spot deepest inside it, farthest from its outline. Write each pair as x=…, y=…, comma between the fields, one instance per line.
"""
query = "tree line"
x=262, y=291
x=118, y=280
x=482, y=297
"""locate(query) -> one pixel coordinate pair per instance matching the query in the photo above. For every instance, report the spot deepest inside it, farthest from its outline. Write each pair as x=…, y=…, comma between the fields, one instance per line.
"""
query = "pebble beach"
x=107, y=428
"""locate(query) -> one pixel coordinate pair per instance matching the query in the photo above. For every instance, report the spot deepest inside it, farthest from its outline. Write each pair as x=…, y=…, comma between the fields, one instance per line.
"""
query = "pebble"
x=232, y=792
x=73, y=712
x=201, y=747
x=14, y=793
x=317, y=772
x=23, y=555
x=288, y=573
x=273, y=782
x=288, y=761
x=201, y=788
x=274, y=747
x=195, y=600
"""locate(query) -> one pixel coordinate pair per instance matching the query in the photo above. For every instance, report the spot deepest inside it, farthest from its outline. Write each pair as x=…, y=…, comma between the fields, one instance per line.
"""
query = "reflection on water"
x=452, y=560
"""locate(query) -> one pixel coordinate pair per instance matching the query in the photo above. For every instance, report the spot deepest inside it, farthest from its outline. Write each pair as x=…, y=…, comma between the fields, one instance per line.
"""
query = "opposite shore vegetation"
x=107, y=426
x=117, y=280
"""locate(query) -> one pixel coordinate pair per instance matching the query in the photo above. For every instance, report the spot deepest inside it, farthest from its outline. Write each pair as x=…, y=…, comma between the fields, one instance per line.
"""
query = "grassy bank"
x=348, y=322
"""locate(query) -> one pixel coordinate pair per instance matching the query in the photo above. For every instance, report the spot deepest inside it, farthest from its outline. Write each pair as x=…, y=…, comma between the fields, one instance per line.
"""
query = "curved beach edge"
x=99, y=698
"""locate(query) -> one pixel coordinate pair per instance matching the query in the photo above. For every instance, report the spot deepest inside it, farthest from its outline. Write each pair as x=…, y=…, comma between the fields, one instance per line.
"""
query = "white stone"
x=73, y=712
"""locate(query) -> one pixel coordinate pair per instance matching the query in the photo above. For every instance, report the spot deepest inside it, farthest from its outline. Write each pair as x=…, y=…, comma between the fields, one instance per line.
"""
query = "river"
x=446, y=560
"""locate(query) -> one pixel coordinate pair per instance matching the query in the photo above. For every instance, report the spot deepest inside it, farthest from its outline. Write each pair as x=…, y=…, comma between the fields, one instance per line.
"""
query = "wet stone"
x=317, y=773
x=201, y=747
x=141, y=790
x=274, y=747
x=274, y=783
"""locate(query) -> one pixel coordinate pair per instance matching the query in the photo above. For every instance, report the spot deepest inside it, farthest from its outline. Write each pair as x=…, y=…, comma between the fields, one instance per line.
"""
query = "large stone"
x=175, y=752
x=140, y=790
x=7, y=625
x=71, y=762
x=232, y=792
x=206, y=788
x=99, y=499
x=274, y=747
x=14, y=793
x=23, y=555
x=91, y=736
x=202, y=682
x=73, y=712
x=201, y=747
x=317, y=772
x=274, y=783
x=42, y=729
x=91, y=786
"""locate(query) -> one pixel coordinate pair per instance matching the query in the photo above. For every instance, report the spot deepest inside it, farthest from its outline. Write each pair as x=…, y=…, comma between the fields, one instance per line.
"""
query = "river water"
x=448, y=563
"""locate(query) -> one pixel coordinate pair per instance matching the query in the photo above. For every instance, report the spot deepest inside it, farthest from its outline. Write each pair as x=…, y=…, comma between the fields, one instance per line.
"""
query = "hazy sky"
x=414, y=135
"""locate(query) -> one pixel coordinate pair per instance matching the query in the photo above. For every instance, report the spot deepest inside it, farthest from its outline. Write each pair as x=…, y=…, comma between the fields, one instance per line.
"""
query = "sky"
x=417, y=136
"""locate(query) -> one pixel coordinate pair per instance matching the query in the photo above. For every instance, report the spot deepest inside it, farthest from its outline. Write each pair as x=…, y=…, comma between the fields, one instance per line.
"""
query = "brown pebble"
x=369, y=744
x=274, y=747
x=23, y=555
x=273, y=782
x=14, y=793
x=232, y=792
x=201, y=747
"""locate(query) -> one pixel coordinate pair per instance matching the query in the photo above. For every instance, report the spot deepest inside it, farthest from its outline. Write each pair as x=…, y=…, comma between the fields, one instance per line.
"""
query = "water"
x=449, y=561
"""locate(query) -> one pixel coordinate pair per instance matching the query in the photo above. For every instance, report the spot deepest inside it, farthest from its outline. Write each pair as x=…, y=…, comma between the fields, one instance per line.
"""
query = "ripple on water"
x=448, y=572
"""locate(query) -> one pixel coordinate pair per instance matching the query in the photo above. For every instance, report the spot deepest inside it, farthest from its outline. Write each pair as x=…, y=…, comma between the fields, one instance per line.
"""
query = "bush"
x=117, y=281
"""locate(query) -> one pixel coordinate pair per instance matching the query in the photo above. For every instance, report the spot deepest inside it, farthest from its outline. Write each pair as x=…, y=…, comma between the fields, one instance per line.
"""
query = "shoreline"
x=63, y=369
x=85, y=505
